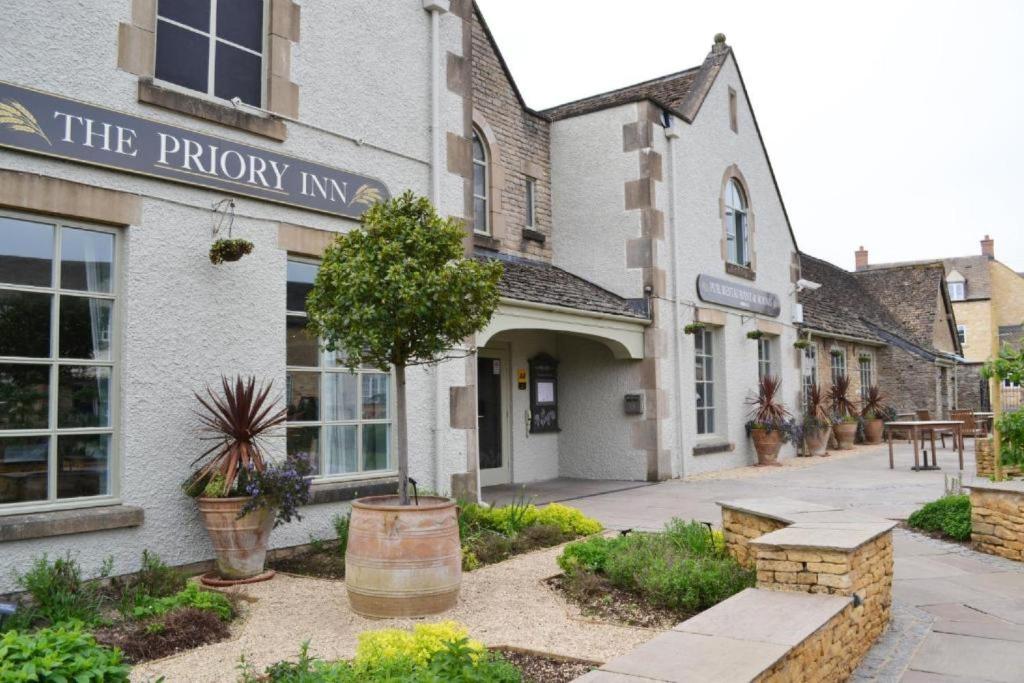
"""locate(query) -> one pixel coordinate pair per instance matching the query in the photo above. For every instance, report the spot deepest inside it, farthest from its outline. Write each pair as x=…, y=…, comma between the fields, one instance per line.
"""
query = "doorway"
x=492, y=373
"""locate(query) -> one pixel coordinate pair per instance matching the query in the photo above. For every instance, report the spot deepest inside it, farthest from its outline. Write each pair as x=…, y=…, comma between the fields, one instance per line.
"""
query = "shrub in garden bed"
x=493, y=534
x=61, y=653
x=948, y=517
x=652, y=578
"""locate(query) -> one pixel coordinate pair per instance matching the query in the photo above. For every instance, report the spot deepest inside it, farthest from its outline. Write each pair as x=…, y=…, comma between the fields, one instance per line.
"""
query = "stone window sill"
x=200, y=107
x=714, y=446
x=486, y=242
x=344, y=491
x=531, y=235
x=740, y=271
x=64, y=522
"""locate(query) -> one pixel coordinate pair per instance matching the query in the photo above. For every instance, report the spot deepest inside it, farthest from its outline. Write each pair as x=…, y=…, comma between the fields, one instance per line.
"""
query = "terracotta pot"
x=817, y=441
x=403, y=560
x=873, y=430
x=767, y=443
x=845, y=433
x=240, y=544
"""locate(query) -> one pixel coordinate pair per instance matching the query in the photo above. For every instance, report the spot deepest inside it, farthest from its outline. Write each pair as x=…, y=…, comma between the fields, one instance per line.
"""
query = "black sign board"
x=718, y=291
x=37, y=122
x=543, y=394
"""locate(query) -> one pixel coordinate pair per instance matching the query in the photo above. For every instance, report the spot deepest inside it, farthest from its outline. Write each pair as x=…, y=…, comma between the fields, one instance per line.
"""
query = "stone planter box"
x=997, y=518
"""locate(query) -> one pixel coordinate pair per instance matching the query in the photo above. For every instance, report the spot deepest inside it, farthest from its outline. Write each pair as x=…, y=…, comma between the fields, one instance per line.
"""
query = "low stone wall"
x=828, y=655
x=997, y=519
x=742, y=527
x=985, y=460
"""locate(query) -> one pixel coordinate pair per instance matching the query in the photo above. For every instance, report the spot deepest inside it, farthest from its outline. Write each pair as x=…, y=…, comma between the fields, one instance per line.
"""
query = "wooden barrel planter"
x=403, y=560
x=240, y=544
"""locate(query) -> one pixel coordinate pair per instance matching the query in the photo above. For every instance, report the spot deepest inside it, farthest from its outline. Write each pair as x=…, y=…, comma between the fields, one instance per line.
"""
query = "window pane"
x=303, y=396
x=375, y=396
x=26, y=252
x=304, y=442
x=241, y=22
x=376, y=438
x=300, y=348
x=24, y=396
x=86, y=260
x=340, y=396
x=709, y=421
x=85, y=327
x=83, y=465
x=25, y=324
x=23, y=467
x=480, y=215
x=83, y=396
x=238, y=74
x=340, y=453
x=300, y=282
x=182, y=57
x=194, y=13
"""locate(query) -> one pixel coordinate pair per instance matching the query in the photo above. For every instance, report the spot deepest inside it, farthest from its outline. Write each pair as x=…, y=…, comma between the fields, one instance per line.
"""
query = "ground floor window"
x=764, y=358
x=57, y=361
x=705, y=376
x=838, y=364
x=810, y=369
x=867, y=375
x=339, y=420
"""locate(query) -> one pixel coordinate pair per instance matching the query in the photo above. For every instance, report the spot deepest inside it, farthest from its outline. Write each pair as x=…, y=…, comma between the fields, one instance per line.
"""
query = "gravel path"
x=502, y=604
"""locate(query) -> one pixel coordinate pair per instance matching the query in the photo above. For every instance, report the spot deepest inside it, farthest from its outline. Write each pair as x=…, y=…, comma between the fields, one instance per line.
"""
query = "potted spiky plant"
x=768, y=426
x=844, y=412
x=816, y=422
x=395, y=292
x=873, y=411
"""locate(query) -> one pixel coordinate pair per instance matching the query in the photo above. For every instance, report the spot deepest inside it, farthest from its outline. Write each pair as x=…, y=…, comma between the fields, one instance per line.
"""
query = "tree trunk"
x=401, y=440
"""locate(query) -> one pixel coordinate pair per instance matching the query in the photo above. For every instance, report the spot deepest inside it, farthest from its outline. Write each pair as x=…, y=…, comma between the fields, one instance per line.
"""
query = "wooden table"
x=918, y=429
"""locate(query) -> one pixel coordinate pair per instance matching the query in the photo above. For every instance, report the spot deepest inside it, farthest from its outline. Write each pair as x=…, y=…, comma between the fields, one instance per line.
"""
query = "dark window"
x=213, y=46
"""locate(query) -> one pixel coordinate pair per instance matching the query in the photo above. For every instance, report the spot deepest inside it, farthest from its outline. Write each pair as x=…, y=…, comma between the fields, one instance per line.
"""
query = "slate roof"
x=910, y=293
x=669, y=91
x=975, y=270
x=540, y=282
x=850, y=305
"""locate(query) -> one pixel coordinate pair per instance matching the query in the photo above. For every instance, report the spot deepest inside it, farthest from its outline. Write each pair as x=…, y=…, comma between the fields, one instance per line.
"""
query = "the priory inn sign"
x=718, y=291
x=37, y=122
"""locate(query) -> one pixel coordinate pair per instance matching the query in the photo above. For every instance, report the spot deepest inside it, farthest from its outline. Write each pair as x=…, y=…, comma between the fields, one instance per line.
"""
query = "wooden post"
x=996, y=392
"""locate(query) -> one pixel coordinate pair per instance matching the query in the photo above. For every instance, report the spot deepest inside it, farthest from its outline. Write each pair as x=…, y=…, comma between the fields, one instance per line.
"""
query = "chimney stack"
x=988, y=247
x=861, y=258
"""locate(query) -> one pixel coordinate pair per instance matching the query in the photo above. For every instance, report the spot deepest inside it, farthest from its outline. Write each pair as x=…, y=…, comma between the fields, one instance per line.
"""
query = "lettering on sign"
x=37, y=122
x=718, y=291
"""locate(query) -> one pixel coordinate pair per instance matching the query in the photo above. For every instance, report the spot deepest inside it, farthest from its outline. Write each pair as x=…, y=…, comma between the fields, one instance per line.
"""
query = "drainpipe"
x=671, y=134
x=436, y=9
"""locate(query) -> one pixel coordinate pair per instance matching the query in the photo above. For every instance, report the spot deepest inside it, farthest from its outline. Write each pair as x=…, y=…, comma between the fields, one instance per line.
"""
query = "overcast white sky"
x=897, y=125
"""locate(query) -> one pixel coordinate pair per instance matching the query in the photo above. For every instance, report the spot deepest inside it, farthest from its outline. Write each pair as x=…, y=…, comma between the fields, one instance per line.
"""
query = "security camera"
x=237, y=101
x=803, y=284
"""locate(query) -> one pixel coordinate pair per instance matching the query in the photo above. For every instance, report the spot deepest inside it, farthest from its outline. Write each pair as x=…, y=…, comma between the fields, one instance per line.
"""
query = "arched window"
x=736, y=228
x=481, y=186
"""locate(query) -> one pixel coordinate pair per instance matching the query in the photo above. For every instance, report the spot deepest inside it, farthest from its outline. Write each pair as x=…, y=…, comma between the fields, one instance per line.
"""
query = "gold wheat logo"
x=15, y=116
x=366, y=195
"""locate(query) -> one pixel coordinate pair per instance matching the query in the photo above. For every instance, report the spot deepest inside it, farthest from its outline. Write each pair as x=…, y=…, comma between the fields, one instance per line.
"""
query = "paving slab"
x=956, y=611
x=905, y=547
x=995, y=629
x=598, y=676
x=924, y=567
x=924, y=677
x=767, y=616
x=976, y=659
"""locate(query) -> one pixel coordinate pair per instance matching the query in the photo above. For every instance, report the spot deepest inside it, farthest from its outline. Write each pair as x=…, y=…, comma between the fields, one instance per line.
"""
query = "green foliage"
x=570, y=520
x=1010, y=427
x=341, y=525
x=399, y=288
x=60, y=654
x=191, y=596
x=1008, y=365
x=58, y=594
x=950, y=516
x=684, y=567
x=431, y=653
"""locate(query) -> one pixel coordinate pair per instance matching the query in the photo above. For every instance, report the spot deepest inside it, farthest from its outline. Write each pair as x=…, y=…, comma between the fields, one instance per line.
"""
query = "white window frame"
x=212, y=39
x=957, y=290
x=961, y=332
x=322, y=370
x=867, y=380
x=810, y=369
x=704, y=357
x=113, y=496
x=835, y=366
x=764, y=357
x=485, y=163
x=737, y=232
x=531, y=203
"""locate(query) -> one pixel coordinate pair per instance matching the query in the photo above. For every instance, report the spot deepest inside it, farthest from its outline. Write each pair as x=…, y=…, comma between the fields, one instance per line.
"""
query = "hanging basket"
x=694, y=328
x=229, y=250
x=755, y=334
x=801, y=344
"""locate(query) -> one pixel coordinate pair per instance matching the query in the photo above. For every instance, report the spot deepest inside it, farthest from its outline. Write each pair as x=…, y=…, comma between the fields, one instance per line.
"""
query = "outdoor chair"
x=970, y=428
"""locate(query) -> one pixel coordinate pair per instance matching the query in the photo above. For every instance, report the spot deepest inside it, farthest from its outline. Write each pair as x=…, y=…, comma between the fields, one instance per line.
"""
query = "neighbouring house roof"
x=848, y=305
x=1011, y=334
x=974, y=270
x=542, y=283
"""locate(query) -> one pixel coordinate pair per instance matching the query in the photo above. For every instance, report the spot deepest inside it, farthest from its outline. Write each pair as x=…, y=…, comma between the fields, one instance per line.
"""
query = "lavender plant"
x=281, y=487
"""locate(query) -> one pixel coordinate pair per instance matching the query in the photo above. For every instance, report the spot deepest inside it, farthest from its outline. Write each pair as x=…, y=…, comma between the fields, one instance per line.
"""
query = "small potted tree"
x=240, y=492
x=844, y=412
x=874, y=411
x=768, y=426
x=816, y=422
x=395, y=292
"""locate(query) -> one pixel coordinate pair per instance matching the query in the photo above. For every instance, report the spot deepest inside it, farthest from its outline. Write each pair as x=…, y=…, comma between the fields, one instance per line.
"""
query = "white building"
x=121, y=144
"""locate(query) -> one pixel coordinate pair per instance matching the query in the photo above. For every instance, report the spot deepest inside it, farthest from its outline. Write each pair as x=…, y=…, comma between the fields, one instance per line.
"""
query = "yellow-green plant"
x=419, y=645
x=568, y=519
